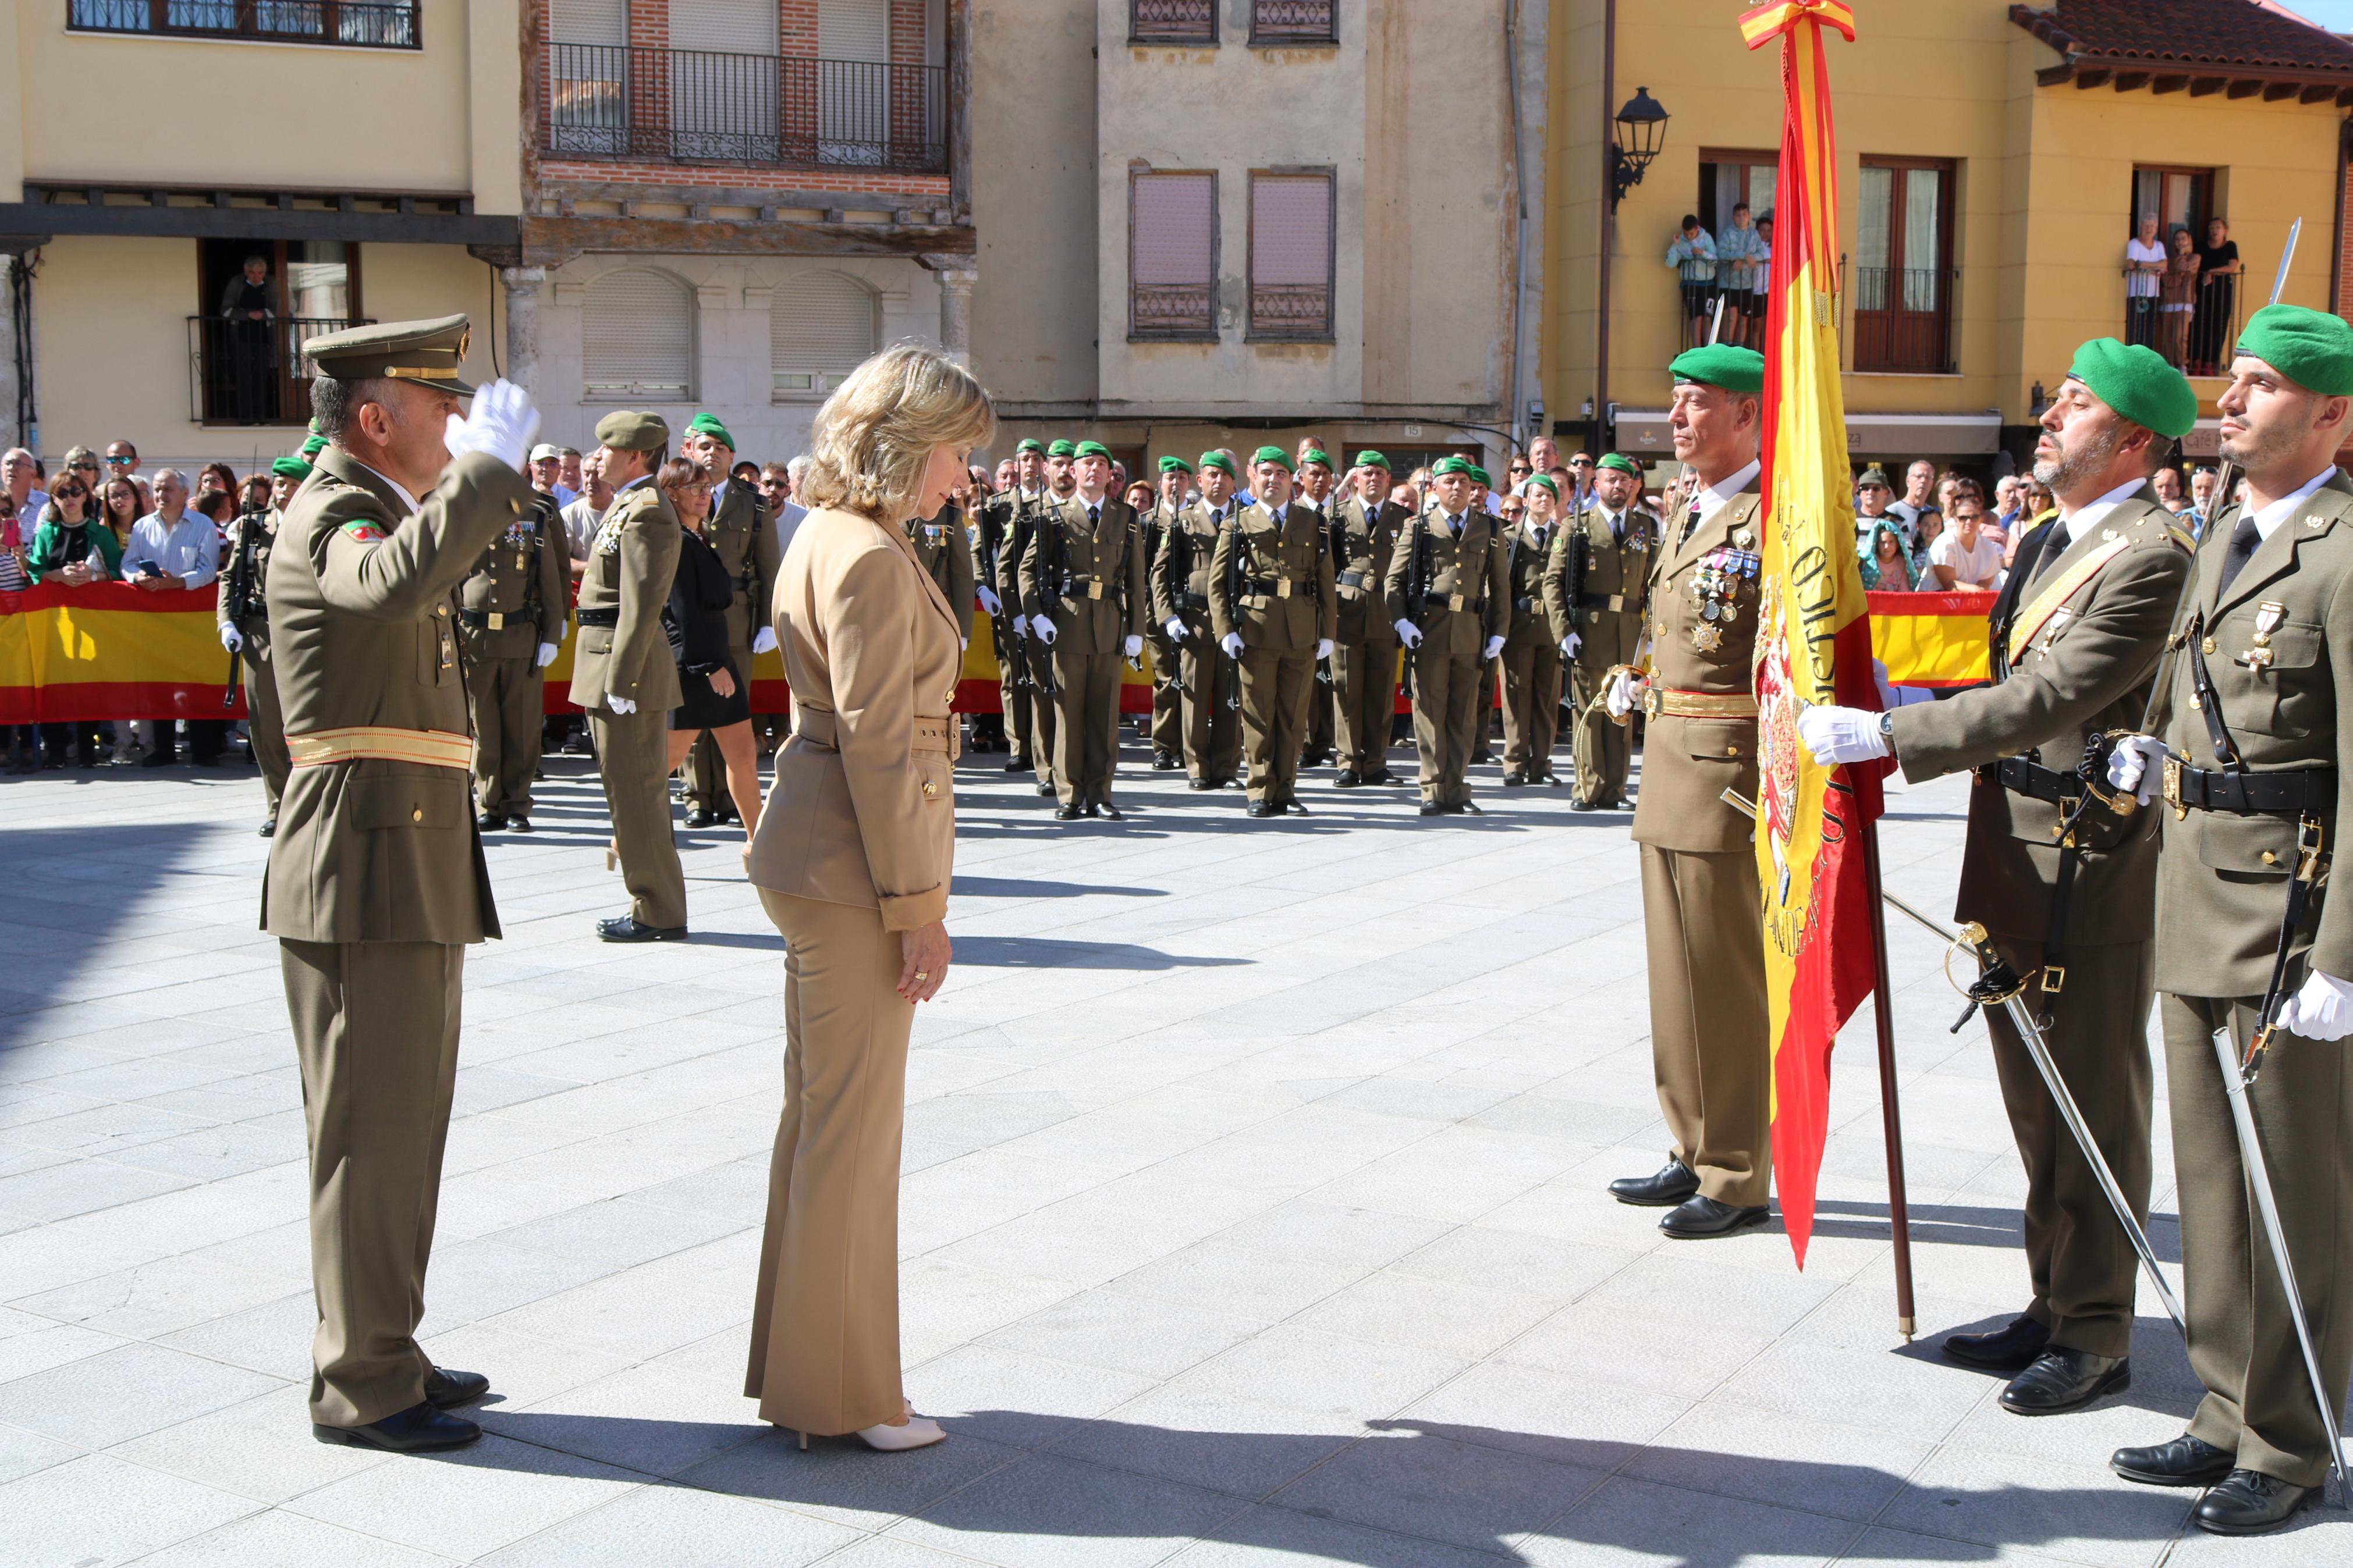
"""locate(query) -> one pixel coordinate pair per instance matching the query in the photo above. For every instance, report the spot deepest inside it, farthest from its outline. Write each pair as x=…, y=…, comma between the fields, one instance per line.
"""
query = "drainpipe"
x=1520, y=238
x=1604, y=436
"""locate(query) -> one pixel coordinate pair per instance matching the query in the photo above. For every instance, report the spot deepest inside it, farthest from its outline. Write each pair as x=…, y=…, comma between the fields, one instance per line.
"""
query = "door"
x=1903, y=272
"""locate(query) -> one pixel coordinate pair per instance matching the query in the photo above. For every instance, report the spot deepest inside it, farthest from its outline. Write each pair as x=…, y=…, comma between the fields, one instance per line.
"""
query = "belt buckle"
x=2173, y=788
x=1095, y=590
x=497, y=622
x=1653, y=701
x=1282, y=589
x=1454, y=602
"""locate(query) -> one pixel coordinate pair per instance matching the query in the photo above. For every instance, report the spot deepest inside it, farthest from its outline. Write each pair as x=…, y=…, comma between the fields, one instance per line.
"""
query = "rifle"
x=1134, y=543
x=241, y=598
x=1336, y=542
x=1053, y=576
x=1234, y=604
x=1417, y=589
x=995, y=525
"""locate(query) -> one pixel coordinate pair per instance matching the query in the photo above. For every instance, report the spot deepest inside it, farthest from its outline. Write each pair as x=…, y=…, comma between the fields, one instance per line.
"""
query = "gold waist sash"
x=433, y=748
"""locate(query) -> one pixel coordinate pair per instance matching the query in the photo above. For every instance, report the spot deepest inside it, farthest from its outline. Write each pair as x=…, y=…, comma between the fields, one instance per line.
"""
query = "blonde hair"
x=874, y=437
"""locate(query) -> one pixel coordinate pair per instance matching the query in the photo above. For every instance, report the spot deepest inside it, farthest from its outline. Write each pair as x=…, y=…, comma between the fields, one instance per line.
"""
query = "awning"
x=1645, y=430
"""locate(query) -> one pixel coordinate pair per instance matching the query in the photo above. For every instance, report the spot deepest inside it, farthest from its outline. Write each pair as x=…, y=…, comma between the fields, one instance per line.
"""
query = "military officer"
x=2255, y=780
x=1595, y=592
x=1531, y=658
x=996, y=560
x=1364, y=644
x=1272, y=608
x=376, y=882
x=1167, y=684
x=1082, y=588
x=1445, y=598
x=1044, y=696
x=1180, y=603
x=1315, y=495
x=2075, y=647
x=242, y=610
x=624, y=678
x=1701, y=918
x=745, y=536
x=510, y=622
x=1483, y=722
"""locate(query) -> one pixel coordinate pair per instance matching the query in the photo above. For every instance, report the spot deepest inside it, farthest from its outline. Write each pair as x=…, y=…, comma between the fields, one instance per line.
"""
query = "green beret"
x=427, y=352
x=1486, y=481
x=626, y=430
x=1091, y=449
x=1545, y=481
x=1061, y=449
x=2134, y=380
x=314, y=426
x=1029, y=444
x=1221, y=462
x=1269, y=455
x=290, y=468
x=707, y=424
x=2311, y=347
x=1620, y=461
x=1874, y=475
x=1721, y=364
x=1171, y=463
x=1315, y=455
x=1445, y=466
x=1368, y=458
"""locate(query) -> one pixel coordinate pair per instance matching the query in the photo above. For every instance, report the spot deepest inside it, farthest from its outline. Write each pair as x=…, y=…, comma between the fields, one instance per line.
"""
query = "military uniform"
x=1531, y=657
x=1604, y=563
x=377, y=881
x=622, y=652
x=1365, y=643
x=740, y=530
x=1167, y=694
x=1028, y=513
x=1180, y=592
x=514, y=602
x=1446, y=578
x=1270, y=583
x=996, y=560
x=1083, y=573
x=1322, y=719
x=253, y=533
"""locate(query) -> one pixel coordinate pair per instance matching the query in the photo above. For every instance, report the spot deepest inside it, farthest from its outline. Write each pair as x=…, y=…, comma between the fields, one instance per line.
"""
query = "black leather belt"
x=1278, y=587
x=1602, y=602
x=2023, y=777
x=1194, y=602
x=601, y=617
x=490, y=620
x=2292, y=792
x=1349, y=580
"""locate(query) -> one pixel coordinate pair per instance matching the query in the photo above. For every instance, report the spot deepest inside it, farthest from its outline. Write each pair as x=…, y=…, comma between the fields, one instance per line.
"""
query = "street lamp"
x=1640, y=129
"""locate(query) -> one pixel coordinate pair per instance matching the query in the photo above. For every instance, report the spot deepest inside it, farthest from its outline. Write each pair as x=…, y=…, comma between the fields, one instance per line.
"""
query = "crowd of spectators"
x=1731, y=269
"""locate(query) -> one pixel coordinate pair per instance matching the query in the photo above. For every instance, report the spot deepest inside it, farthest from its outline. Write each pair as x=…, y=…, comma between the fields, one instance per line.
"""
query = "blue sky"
x=2335, y=15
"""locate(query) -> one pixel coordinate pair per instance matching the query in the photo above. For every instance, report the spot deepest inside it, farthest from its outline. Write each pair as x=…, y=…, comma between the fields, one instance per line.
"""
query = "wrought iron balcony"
x=378, y=24
x=253, y=373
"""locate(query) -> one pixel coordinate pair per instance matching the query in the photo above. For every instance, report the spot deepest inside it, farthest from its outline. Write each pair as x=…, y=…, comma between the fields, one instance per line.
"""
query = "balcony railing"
x=1172, y=310
x=253, y=373
x=2205, y=344
x=686, y=106
x=1295, y=311
x=1903, y=320
x=1294, y=22
x=1172, y=22
x=377, y=25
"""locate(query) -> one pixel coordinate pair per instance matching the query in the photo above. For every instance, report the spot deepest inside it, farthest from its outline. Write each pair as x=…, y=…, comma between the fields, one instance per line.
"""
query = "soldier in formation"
x=1272, y=610
x=1180, y=603
x=1364, y=644
x=1531, y=658
x=1595, y=595
x=1445, y=598
x=1167, y=681
x=1083, y=589
x=512, y=613
x=1316, y=494
x=1000, y=531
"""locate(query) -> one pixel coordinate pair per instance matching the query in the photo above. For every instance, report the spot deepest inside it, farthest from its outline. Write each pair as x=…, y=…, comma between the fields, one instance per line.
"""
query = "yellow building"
x=1994, y=159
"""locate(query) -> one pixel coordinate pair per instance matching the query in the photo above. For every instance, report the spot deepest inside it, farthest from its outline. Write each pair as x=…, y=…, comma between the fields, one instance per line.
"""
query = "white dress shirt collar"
x=1718, y=496
x=2090, y=515
x=2268, y=520
x=414, y=505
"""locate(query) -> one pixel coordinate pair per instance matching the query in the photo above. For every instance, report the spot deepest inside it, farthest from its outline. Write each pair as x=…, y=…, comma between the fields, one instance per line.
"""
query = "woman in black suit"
x=713, y=694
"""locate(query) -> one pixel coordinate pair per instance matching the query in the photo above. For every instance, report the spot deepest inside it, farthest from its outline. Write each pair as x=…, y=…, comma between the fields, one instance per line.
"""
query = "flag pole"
x=1882, y=1011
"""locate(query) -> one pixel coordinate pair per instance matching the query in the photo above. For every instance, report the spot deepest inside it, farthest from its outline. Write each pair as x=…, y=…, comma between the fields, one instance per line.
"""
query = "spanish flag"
x=1813, y=640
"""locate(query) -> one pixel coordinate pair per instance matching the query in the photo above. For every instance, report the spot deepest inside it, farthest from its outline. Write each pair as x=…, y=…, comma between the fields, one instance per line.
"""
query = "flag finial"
x=1776, y=17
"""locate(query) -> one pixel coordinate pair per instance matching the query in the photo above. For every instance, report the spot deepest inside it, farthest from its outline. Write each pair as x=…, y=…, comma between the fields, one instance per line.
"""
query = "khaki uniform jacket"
x=1103, y=565
x=1688, y=764
x=1615, y=569
x=254, y=627
x=1469, y=570
x=501, y=585
x=746, y=539
x=630, y=567
x=943, y=550
x=2219, y=898
x=363, y=607
x=1524, y=571
x=2086, y=671
x=863, y=809
x=1180, y=572
x=1293, y=553
x=1013, y=512
x=1360, y=572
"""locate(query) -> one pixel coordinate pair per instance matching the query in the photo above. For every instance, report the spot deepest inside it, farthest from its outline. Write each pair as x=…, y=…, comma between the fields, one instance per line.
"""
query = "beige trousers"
x=265, y=724
x=1704, y=929
x=825, y=1318
x=633, y=762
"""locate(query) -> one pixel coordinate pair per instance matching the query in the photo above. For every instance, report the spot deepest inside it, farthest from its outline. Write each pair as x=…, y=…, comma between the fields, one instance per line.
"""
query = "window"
x=821, y=326
x=1902, y=267
x=1172, y=255
x=1291, y=256
x=1294, y=22
x=363, y=23
x=1726, y=180
x=638, y=336
x=2179, y=199
x=250, y=371
x=1172, y=22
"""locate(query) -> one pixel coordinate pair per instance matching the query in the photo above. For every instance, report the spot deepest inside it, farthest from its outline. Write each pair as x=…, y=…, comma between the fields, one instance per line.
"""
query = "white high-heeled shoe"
x=919, y=1432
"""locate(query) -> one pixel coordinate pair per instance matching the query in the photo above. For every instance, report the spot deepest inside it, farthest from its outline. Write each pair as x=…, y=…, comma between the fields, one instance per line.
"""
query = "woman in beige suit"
x=852, y=860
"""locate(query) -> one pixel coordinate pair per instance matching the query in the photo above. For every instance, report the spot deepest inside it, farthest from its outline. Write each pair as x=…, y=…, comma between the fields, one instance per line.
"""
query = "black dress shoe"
x=1431, y=808
x=446, y=1390
x=1046, y=791
x=1703, y=1218
x=2062, y=1380
x=702, y=816
x=1165, y=763
x=419, y=1429
x=1018, y=765
x=1201, y=783
x=489, y=822
x=518, y=824
x=1673, y=1182
x=1069, y=812
x=1464, y=808
x=1112, y=811
x=2011, y=1348
x=628, y=928
x=1515, y=781
x=1261, y=808
x=1382, y=776
x=268, y=829
x=1578, y=803
x=1349, y=779
x=2248, y=1502
x=1293, y=807
x=2187, y=1461
x=1314, y=758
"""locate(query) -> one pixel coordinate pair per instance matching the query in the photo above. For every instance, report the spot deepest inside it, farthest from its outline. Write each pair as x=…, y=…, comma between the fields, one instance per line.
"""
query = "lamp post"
x=1636, y=132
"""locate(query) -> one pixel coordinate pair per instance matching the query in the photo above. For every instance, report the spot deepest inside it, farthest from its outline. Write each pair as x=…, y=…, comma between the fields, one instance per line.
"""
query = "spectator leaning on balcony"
x=2218, y=283
x=1739, y=254
x=1692, y=256
x=2176, y=293
x=250, y=307
x=122, y=463
x=2202, y=481
x=2145, y=261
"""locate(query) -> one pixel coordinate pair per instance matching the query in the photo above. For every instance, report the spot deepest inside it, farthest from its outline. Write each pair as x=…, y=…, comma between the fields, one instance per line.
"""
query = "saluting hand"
x=501, y=421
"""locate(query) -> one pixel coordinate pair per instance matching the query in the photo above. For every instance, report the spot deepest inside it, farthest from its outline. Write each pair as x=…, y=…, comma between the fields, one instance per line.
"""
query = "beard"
x=2260, y=448
x=2077, y=463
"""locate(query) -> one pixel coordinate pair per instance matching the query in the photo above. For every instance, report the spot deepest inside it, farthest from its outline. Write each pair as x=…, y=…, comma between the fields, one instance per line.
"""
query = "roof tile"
x=2220, y=35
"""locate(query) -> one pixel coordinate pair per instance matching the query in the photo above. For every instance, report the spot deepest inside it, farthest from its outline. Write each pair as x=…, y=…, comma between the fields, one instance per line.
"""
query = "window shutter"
x=852, y=30
x=1290, y=255
x=724, y=26
x=1171, y=252
x=821, y=326
x=637, y=336
x=590, y=21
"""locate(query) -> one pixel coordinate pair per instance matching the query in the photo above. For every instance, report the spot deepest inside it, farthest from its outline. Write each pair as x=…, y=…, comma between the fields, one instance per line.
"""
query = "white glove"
x=1175, y=627
x=1134, y=647
x=1626, y=688
x=621, y=705
x=765, y=640
x=1020, y=625
x=501, y=421
x=1494, y=646
x=1569, y=645
x=1886, y=687
x=1409, y=634
x=990, y=602
x=1233, y=643
x=547, y=652
x=1043, y=630
x=2129, y=765
x=231, y=638
x=1841, y=735
x=1324, y=648
x=2321, y=1011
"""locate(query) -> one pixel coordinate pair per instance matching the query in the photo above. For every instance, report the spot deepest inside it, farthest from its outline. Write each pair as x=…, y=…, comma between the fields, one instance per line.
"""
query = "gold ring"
x=922, y=975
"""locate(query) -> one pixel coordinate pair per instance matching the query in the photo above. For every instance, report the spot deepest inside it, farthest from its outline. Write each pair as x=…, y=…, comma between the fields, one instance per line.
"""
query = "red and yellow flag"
x=1813, y=640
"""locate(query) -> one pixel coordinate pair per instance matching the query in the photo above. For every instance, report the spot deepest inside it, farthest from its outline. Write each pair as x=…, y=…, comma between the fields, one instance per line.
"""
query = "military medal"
x=1707, y=636
x=2268, y=617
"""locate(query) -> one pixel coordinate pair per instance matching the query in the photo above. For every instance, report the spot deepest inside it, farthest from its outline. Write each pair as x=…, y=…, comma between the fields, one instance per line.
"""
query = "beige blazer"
x=863, y=811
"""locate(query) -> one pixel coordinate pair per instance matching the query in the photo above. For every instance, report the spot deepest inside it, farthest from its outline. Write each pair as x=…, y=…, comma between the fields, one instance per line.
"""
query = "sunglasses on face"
x=1519, y=468
x=1580, y=462
x=71, y=494
x=85, y=468
x=117, y=461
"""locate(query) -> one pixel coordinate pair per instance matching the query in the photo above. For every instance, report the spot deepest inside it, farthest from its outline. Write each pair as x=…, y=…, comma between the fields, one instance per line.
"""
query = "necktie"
x=1690, y=523
x=1094, y=518
x=2243, y=540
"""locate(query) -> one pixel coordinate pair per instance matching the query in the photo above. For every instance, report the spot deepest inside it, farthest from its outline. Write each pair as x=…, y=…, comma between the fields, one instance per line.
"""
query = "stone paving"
x=1253, y=1214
